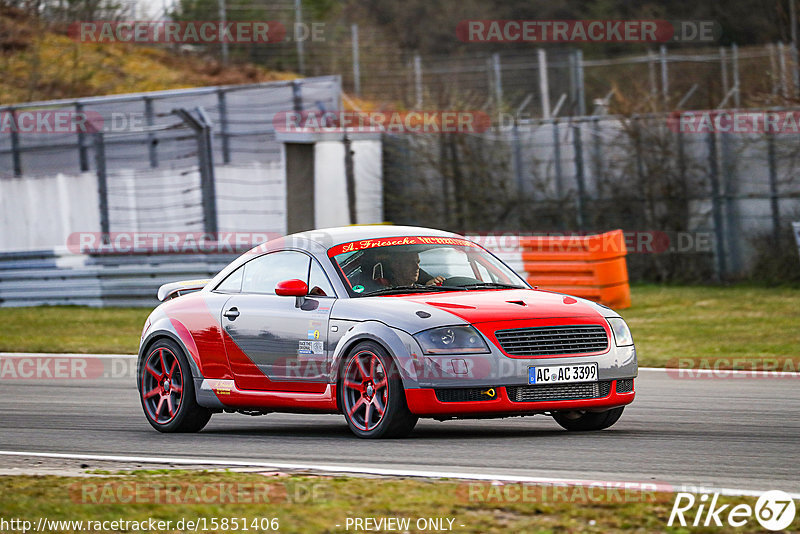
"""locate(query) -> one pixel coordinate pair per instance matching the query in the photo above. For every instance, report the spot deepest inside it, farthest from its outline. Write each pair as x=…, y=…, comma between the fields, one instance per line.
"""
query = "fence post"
x=730, y=185
x=782, y=67
x=557, y=168
x=16, y=157
x=544, y=83
x=737, y=90
x=517, y=155
x=651, y=70
x=597, y=153
x=356, y=63
x=102, y=183
x=581, y=91
x=664, y=77
x=350, y=179
x=297, y=96
x=579, y=176
x=418, y=79
x=208, y=183
x=773, y=68
x=149, y=117
x=83, y=156
x=720, y=269
x=223, y=124
x=498, y=81
x=773, y=189
x=723, y=70
x=205, y=157
x=298, y=19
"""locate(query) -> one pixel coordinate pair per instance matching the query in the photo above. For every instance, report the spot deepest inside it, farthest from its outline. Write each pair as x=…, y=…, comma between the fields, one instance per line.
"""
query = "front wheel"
x=166, y=390
x=586, y=421
x=372, y=396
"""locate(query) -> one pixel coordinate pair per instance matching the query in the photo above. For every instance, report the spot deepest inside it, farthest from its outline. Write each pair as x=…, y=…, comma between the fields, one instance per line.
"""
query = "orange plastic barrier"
x=591, y=266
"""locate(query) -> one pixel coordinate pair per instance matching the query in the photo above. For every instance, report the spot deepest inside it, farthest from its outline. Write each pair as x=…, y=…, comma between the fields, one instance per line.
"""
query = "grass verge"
x=324, y=504
x=741, y=326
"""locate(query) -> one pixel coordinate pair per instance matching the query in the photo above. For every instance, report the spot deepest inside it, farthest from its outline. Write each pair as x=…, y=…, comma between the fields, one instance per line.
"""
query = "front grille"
x=547, y=340
x=625, y=385
x=584, y=390
x=464, y=394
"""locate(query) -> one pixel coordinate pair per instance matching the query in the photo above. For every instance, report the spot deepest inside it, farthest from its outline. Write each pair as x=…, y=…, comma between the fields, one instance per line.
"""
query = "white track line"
x=364, y=470
x=688, y=371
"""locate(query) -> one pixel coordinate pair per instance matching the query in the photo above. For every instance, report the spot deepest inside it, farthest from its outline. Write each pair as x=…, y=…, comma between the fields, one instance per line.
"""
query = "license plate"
x=560, y=374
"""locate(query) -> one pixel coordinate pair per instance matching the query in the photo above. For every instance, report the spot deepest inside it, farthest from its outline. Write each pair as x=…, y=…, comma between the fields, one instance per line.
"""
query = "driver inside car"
x=402, y=269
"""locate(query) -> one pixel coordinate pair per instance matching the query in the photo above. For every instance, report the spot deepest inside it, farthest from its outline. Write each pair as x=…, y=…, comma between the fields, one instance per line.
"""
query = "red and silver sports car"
x=383, y=324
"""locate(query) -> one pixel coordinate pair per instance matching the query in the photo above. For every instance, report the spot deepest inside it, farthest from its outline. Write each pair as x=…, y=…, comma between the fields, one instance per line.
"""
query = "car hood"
x=420, y=311
x=506, y=305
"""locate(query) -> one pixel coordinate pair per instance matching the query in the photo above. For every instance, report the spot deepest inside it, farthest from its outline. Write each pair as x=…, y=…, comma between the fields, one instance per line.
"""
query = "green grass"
x=72, y=329
x=742, y=323
x=318, y=504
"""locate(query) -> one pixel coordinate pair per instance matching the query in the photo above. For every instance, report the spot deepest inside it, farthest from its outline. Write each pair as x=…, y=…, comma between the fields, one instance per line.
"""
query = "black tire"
x=361, y=405
x=586, y=421
x=166, y=390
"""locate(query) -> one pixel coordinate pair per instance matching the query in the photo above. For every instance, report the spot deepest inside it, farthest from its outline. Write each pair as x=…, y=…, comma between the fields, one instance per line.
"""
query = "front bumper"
x=424, y=402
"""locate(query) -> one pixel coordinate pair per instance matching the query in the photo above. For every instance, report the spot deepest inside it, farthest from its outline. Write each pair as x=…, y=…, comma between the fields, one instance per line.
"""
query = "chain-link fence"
x=194, y=160
x=720, y=200
x=241, y=118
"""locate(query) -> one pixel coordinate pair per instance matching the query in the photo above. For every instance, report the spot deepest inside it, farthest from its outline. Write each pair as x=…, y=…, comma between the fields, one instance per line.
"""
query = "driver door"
x=278, y=343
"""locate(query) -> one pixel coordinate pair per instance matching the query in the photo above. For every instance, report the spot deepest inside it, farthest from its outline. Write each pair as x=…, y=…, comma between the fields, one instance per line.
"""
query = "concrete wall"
x=41, y=212
x=330, y=194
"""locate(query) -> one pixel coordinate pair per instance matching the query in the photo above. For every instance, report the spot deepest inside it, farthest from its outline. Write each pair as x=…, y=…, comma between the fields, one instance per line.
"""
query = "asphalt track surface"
x=739, y=433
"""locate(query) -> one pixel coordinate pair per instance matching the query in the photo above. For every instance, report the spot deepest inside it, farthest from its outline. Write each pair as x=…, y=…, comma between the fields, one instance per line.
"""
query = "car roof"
x=329, y=237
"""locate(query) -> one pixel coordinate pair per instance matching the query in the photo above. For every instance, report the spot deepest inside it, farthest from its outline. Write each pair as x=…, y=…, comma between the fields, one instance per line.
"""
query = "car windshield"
x=418, y=264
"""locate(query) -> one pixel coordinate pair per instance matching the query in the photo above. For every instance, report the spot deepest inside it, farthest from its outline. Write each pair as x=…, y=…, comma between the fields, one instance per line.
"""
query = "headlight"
x=451, y=340
x=622, y=334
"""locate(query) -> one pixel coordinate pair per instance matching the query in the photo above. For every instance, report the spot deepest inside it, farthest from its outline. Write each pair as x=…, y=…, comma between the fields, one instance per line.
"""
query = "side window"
x=262, y=274
x=318, y=283
x=233, y=283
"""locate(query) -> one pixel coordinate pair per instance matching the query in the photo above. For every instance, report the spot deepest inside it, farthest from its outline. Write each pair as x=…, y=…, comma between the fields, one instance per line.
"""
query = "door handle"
x=231, y=314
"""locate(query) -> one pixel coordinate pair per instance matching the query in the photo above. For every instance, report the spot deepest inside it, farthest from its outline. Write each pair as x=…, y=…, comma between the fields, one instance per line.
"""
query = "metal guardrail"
x=52, y=277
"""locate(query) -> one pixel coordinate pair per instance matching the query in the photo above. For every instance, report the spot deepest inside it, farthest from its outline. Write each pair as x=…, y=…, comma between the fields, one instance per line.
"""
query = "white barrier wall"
x=41, y=212
x=330, y=194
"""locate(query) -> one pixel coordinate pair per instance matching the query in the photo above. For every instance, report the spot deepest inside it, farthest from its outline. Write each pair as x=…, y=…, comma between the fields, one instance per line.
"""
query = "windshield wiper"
x=411, y=288
x=492, y=285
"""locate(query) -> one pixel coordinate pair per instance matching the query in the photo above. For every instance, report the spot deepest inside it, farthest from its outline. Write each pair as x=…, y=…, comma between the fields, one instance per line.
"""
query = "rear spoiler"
x=176, y=289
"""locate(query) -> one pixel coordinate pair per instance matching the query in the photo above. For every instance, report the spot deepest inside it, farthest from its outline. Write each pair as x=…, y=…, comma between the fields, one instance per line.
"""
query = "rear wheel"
x=166, y=390
x=372, y=396
x=585, y=421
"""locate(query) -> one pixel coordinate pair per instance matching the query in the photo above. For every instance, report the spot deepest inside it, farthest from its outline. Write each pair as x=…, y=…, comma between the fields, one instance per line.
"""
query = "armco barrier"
x=591, y=266
x=62, y=277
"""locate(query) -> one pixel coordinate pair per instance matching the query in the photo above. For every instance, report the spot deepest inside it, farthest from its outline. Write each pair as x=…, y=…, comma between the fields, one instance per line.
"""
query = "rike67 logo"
x=774, y=510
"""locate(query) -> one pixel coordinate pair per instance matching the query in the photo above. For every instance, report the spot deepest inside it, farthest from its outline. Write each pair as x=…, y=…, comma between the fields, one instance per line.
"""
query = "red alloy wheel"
x=162, y=385
x=366, y=390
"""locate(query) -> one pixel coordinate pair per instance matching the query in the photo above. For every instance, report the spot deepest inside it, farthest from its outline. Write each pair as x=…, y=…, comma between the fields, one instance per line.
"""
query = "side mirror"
x=291, y=288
